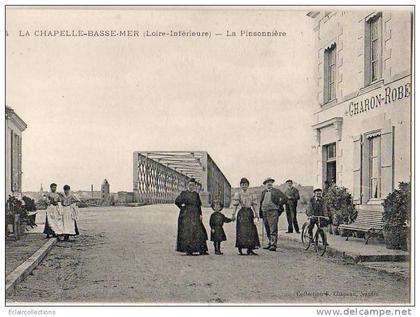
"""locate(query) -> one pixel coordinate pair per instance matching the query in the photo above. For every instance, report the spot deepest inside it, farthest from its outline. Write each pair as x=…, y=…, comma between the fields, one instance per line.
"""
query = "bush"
x=396, y=217
x=29, y=203
x=340, y=205
x=15, y=207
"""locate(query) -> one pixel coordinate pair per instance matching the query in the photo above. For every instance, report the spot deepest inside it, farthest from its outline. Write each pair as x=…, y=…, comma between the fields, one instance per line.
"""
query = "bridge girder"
x=159, y=176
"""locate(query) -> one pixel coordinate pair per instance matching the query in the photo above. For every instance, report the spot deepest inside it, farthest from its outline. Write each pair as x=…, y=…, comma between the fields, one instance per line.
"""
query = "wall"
x=338, y=121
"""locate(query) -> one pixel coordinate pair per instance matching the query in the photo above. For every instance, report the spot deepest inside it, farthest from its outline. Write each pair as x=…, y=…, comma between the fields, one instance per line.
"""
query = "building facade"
x=362, y=116
x=14, y=128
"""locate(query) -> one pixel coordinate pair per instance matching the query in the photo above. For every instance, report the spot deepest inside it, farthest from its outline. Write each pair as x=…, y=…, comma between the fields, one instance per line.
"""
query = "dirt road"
x=126, y=255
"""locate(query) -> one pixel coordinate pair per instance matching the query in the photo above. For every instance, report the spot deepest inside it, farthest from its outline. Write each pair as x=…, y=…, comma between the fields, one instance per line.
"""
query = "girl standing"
x=217, y=220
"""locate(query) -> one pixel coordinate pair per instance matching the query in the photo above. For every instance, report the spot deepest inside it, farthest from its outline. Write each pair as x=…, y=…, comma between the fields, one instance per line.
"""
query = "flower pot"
x=392, y=237
x=405, y=239
x=16, y=227
x=22, y=228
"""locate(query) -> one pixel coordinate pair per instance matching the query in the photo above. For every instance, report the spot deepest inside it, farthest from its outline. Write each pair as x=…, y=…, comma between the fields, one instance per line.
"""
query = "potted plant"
x=16, y=214
x=396, y=217
x=340, y=206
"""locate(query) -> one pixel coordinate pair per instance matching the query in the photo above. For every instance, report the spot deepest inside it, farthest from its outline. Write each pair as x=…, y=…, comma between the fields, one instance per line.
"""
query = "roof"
x=12, y=116
x=313, y=14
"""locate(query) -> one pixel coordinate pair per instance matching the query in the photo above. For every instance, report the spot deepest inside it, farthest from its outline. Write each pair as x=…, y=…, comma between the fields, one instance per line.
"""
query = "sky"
x=90, y=102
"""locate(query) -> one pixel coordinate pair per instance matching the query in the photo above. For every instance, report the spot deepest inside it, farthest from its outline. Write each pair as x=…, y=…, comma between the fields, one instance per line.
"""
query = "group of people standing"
x=247, y=210
x=62, y=213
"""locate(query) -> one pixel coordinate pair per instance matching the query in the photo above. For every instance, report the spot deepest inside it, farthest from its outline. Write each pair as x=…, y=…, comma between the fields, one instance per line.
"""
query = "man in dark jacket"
x=316, y=207
x=293, y=196
x=271, y=206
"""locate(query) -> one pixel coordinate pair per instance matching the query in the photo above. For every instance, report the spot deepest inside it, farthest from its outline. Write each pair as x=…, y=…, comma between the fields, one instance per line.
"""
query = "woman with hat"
x=246, y=230
x=192, y=235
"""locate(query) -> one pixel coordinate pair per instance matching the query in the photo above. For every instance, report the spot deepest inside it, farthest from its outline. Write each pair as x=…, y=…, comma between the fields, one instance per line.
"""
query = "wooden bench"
x=367, y=221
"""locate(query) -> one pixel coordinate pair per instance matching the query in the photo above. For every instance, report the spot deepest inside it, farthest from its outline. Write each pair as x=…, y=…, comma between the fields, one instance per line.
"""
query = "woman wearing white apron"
x=54, y=218
x=70, y=213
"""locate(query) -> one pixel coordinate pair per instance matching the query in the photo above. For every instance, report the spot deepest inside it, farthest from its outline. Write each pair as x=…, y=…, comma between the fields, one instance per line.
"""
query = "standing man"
x=292, y=199
x=271, y=206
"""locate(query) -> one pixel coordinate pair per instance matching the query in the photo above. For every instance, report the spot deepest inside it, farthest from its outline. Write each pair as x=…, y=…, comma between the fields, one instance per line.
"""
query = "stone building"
x=105, y=189
x=14, y=128
x=362, y=111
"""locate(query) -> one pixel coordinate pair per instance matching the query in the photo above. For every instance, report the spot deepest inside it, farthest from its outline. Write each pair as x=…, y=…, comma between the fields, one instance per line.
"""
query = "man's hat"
x=317, y=190
x=268, y=180
x=289, y=181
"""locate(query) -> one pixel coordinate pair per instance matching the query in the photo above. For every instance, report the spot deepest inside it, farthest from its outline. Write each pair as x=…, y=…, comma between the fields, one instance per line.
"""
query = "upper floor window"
x=329, y=73
x=373, y=49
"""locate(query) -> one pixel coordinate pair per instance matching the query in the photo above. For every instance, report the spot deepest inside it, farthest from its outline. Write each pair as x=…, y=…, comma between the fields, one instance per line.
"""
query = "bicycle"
x=319, y=246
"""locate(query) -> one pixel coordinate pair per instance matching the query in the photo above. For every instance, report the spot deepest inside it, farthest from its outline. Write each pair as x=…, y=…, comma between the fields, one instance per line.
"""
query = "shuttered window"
x=373, y=49
x=330, y=73
x=16, y=159
x=357, y=169
x=374, y=166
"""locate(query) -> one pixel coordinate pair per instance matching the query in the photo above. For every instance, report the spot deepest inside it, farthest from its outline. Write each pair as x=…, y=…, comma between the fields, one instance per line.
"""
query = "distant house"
x=125, y=197
x=14, y=128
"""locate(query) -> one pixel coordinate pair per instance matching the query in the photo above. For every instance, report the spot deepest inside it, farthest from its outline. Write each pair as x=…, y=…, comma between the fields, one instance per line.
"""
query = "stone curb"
x=404, y=275
x=23, y=270
x=355, y=257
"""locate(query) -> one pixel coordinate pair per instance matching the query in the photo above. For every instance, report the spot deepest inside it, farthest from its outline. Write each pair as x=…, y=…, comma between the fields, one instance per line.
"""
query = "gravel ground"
x=126, y=255
x=18, y=251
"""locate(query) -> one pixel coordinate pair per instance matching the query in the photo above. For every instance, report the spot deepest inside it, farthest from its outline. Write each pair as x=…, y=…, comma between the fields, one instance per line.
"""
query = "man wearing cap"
x=292, y=199
x=316, y=207
x=271, y=206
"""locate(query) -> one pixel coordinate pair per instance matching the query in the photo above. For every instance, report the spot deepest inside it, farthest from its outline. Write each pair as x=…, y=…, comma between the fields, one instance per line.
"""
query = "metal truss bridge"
x=159, y=176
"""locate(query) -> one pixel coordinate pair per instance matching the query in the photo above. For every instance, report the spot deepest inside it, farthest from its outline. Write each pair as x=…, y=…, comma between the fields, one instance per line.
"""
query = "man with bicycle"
x=316, y=207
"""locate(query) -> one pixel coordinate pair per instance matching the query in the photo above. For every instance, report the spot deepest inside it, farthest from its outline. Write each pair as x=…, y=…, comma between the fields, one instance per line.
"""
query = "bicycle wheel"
x=320, y=242
x=305, y=236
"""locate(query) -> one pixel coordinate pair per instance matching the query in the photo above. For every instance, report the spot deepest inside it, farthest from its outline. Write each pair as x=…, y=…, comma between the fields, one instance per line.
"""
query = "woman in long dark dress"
x=246, y=230
x=192, y=235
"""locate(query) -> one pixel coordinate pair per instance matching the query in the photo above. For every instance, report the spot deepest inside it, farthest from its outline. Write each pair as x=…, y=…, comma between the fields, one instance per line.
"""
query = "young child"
x=217, y=219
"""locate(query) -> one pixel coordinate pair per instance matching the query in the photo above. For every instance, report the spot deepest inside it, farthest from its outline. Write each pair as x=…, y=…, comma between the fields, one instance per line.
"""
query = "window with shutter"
x=357, y=169
x=387, y=162
x=374, y=166
x=330, y=73
x=15, y=162
x=373, y=49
